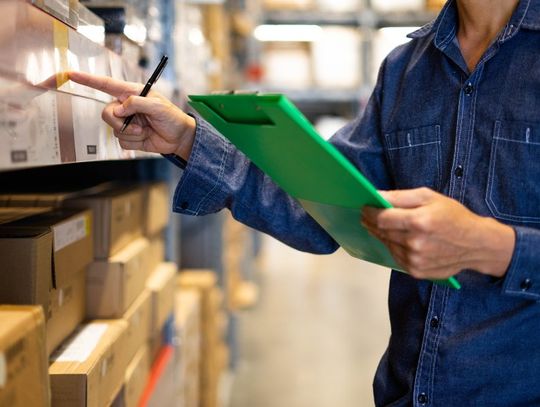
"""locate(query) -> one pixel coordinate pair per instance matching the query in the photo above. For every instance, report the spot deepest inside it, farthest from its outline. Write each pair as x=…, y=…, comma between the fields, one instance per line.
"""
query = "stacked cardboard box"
x=187, y=310
x=213, y=349
x=44, y=262
x=89, y=369
x=23, y=360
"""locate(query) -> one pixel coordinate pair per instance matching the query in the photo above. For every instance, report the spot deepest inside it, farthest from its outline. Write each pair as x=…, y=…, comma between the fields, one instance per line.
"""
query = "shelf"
x=366, y=18
x=44, y=118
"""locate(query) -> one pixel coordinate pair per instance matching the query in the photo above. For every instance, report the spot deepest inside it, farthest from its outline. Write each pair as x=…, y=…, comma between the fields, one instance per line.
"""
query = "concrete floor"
x=317, y=333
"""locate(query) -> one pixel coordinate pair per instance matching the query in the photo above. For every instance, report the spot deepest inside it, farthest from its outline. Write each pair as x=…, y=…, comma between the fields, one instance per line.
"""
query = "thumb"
x=408, y=198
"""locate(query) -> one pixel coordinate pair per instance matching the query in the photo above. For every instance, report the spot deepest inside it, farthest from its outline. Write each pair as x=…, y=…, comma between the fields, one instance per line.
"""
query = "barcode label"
x=70, y=232
x=81, y=345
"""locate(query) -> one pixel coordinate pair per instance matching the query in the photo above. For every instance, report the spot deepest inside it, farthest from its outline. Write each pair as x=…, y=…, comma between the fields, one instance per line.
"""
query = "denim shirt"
x=474, y=136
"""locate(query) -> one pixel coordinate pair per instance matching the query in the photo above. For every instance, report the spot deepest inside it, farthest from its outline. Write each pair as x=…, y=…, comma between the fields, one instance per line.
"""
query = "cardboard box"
x=114, y=284
x=187, y=311
x=136, y=376
x=88, y=370
x=72, y=245
x=138, y=319
x=162, y=286
x=44, y=265
x=23, y=359
x=13, y=214
x=157, y=252
x=117, y=215
x=156, y=208
x=66, y=310
x=212, y=355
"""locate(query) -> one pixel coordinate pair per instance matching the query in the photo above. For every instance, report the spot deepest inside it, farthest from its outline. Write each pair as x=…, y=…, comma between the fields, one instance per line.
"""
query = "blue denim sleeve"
x=219, y=176
x=522, y=278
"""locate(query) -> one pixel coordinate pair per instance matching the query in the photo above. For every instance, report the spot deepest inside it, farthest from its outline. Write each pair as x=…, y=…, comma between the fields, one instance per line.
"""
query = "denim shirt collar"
x=526, y=15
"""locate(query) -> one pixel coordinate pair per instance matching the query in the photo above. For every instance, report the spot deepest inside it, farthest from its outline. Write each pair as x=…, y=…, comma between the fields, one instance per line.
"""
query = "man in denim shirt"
x=452, y=131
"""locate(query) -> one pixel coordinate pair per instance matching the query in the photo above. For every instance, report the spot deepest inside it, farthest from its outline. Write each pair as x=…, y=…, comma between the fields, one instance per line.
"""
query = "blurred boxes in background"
x=337, y=67
x=91, y=25
x=287, y=66
x=212, y=342
x=89, y=369
x=24, y=380
x=287, y=4
x=113, y=284
x=386, y=6
x=187, y=312
x=161, y=285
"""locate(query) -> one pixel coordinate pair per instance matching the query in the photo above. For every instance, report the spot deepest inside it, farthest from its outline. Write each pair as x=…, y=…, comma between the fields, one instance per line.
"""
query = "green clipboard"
x=279, y=140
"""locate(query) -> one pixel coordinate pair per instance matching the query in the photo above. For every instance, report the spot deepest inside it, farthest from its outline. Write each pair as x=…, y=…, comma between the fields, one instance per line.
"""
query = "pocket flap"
x=413, y=137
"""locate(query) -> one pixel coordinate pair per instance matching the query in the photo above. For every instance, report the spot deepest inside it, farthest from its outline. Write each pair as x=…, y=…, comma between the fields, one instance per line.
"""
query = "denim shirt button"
x=422, y=398
x=458, y=172
x=184, y=205
x=526, y=284
x=468, y=89
x=434, y=322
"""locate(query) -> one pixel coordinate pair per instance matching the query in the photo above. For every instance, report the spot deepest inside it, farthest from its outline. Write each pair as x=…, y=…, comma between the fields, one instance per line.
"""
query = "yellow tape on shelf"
x=61, y=44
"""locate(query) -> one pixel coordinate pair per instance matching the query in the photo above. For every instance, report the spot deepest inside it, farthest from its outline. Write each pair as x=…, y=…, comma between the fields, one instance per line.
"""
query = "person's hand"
x=435, y=237
x=158, y=127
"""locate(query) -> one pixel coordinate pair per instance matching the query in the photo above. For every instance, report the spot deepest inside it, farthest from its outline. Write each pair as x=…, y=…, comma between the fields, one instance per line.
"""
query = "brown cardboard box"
x=187, y=312
x=156, y=212
x=138, y=319
x=13, y=214
x=66, y=310
x=157, y=252
x=113, y=284
x=212, y=356
x=71, y=248
x=161, y=285
x=23, y=361
x=88, y=370
x=136, y=376
x=117, y=215
x=44, y=265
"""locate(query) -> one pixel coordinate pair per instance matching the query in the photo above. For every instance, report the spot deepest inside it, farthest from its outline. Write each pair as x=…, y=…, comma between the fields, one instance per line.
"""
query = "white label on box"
x=3, y=370
x=70, y=232
x=80, y=346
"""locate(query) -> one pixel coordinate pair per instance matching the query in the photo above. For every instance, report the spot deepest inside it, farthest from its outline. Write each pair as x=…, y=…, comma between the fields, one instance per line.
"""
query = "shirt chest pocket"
x=513, y=190
x=415, y=157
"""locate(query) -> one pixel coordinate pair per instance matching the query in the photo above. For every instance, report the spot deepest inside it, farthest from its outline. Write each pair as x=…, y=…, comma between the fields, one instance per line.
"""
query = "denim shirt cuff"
x=522, y=278
x=200, y=190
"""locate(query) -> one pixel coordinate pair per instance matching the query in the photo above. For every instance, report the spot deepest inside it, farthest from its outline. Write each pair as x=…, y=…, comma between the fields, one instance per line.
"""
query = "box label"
x=80, y=346
x=70, y=232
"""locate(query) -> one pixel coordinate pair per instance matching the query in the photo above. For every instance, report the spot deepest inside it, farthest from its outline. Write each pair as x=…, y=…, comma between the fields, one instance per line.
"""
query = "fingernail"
x=119, y=110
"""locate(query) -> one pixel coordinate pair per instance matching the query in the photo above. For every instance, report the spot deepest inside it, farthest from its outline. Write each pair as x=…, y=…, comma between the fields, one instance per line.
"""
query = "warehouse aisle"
x=315, y=338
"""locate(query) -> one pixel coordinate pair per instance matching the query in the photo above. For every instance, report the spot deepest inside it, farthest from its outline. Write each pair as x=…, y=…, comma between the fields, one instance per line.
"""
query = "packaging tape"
x=61, y=44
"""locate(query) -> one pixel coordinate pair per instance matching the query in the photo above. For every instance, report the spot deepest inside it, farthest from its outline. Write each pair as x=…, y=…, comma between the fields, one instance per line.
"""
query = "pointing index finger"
x=113, y=87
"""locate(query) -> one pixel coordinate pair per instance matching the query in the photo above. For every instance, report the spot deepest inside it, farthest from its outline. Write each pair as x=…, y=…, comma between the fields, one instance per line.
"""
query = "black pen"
x=153, y=79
